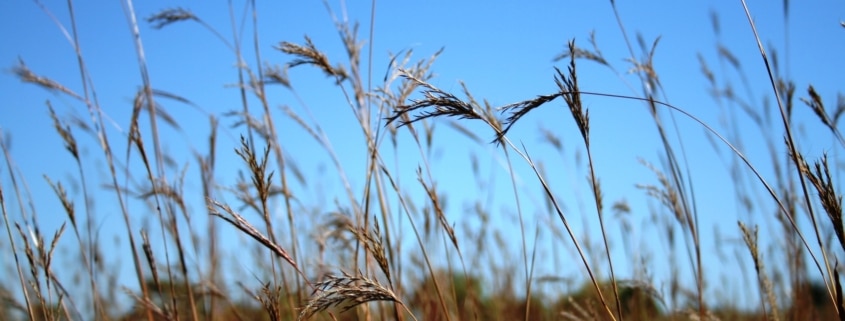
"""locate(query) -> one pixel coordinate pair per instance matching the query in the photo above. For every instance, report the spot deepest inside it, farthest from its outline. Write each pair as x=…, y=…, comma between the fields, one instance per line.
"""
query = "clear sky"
x=502, y=50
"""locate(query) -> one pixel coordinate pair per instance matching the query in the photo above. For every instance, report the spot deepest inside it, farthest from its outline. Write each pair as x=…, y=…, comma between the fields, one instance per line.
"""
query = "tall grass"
x=385, y=248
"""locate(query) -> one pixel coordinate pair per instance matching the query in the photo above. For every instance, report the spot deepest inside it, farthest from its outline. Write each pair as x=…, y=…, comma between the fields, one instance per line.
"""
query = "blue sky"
x=502, y=50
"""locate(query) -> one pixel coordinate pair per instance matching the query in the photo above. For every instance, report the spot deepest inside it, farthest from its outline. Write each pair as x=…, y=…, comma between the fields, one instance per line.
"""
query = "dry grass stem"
x=170, y=16
x=244, y=226
x=830, y=200
x=309, y=55
x=765, y=285
x=359, y=223
x=817, y=106
x=26, y=75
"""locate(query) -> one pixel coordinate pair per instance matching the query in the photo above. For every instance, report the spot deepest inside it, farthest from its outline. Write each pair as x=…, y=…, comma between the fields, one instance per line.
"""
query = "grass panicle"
x=345, y=292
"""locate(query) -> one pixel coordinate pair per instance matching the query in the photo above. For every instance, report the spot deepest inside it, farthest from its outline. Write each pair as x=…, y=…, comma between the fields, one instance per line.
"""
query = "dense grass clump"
x=236, y=229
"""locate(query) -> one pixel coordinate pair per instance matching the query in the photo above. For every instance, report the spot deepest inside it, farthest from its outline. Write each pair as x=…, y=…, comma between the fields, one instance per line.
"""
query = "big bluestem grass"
x=377, y=251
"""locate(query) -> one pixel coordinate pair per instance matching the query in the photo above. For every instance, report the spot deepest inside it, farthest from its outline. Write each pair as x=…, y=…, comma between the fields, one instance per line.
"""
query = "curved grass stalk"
x=793, y=153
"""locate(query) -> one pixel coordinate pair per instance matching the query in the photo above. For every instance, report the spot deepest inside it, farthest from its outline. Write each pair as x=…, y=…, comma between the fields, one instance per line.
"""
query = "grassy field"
x=386, y=247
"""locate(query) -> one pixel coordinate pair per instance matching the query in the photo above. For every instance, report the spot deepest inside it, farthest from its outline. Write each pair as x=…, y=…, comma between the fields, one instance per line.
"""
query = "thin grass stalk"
x=92, y=245
x=685, y=211
x=736, y=152
x=90, y=100
x=33, y=270
x=449, y=105
x=840, y=299
x=384, y=209
x=135, y=138
x=65, y=300
x=149, y=305
x=151, y=262
x=437, y=209
x=688, y=215
x=159, y=161
x=582, y=120
x=648, y=77
x=817, y=106
x=530, y=277
x=69, y=210
x=236, y=46
x=562, y=217
x=247, y=228
x=317, y=133
x=358, y=105
x=688, y=211
x=257, y=85
x=672, y=162
x=622, y=28
x=37, y=240
x=432, y=194
x=790, y=142
x=418, y=237
x=182, y=263
x=372, y=177
x=277, y=148
x=528, y=272
x=597, y=197
x=396, y=285
x=39, y=257
x=244, y=226
x=207, y=166
x=320, y=136
x=36, y=259
x=764, y=285
x=85, y=249
x=373, y=241
x=830, y=200
x=372, y=39
x=435, y=204
x=373, y=143
x=18, y=267
x=278, y=153
x=309, y=54
x=517, y=202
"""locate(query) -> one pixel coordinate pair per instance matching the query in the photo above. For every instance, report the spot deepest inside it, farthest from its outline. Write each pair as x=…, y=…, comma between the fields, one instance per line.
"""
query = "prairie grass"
x=385, y=248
